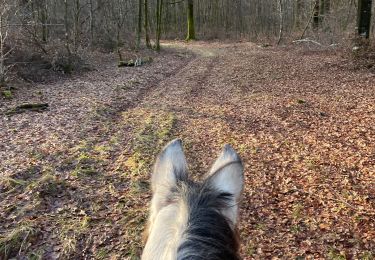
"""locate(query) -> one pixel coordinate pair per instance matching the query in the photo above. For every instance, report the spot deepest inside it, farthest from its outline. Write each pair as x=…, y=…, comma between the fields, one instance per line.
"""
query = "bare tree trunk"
x=92, y=26
x=66, y=22
x=190, y=20
x=316, y=16
x=4, y=30
x=364, y=17
x=280, y=3
x=147, y=36
x=298, y=14
x=44, y=21
x=139, y=29
x=77, y=24
x=309, y=21
x=3, y=36
x=372, y=26
x=159, y=10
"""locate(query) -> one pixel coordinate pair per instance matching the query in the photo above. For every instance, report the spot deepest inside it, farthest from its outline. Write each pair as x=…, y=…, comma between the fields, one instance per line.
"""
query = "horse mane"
x=209, y=234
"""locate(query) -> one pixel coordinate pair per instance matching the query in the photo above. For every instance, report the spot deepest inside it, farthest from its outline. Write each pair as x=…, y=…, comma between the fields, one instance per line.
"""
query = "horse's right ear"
x=170, y=167
x=226, y=175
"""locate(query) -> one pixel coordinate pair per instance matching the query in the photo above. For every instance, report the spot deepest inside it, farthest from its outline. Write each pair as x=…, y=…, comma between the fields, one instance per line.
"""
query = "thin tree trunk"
x=3, y=34
x=281, y=21
x=43, y=19
x=67, y=40
x=139, y=29
x=76, y=24
x=159, y=11
x=316, y=16
x=309, y=21
x=91, y=23
x=147, y=36
x=372, y=26
x=297, y=14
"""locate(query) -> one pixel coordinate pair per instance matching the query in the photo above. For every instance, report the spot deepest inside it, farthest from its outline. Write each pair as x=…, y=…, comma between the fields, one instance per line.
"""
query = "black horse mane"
x=209, y=234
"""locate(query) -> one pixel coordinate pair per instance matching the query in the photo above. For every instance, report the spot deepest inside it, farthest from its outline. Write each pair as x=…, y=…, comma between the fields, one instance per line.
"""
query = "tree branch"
x=177, y=2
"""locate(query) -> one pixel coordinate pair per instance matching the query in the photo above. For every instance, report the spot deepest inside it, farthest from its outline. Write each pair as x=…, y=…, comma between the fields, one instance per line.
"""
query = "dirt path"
x=301, y=120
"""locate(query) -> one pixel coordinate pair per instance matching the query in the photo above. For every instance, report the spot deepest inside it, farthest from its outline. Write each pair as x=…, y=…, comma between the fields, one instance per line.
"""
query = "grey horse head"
x=194, y=220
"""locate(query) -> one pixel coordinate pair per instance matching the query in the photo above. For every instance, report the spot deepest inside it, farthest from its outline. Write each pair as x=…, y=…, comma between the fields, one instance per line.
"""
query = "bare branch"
x=314, y=42
x=177, y=2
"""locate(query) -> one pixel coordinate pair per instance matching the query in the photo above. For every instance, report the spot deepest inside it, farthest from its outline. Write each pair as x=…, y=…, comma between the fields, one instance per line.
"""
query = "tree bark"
x=190, y=20
x=147, y=36
x=92, y=26
x=372, y=26
x=66, y=22
x=316, y=16
x=159, y=11
x=364, y=17
x=44, y=20
x=3, y=36
x=77, y=24
x=281, y=21
x=139, y=29
x=298, y=14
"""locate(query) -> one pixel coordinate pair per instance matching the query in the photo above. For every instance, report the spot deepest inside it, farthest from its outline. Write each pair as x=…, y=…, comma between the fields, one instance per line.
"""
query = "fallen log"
x=35, y=107
x=129, y=63
x=138, y=62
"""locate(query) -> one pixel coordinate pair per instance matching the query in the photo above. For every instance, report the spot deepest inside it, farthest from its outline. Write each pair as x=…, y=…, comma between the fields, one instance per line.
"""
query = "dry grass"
x=16, y=241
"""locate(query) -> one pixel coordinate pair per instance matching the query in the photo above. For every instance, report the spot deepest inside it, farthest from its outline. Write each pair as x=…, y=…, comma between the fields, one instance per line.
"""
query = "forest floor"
x=74, y=180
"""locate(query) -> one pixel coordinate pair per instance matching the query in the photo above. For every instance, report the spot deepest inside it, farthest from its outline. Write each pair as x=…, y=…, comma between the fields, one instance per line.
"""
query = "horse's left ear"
x=226, y=175
x=169, y=168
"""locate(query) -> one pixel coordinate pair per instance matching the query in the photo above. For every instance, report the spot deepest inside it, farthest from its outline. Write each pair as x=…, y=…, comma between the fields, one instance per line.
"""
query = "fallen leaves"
x=304, y=130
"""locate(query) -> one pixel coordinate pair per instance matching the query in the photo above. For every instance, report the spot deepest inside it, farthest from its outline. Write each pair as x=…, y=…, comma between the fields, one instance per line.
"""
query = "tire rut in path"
x=150, y=86
x=195, y=90
x=184, y=88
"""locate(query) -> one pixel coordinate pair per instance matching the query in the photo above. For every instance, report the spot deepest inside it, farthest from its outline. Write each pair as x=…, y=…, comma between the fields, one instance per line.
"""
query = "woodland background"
x=45, y=34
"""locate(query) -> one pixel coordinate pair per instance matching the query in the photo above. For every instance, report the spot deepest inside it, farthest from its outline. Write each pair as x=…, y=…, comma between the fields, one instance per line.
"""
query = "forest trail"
x=302, y=120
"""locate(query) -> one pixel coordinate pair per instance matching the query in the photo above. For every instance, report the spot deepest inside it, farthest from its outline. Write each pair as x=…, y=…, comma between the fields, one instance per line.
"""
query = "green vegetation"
x=151, y=131
x=102, y=254
x=297, y=211
x=333, y=254
x=48, y=185
x=70, y=230
x=38, y=255
x=16, y=240
x=367, y=256
x=88, y=159
x=7, y=94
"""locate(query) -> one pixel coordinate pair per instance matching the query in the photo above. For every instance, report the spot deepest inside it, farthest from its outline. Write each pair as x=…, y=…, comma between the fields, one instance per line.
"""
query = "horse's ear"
x=226, y=175
x=170, y=167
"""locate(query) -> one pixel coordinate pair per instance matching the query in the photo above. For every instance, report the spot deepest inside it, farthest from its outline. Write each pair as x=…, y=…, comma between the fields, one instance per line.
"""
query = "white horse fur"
x=190, y=220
